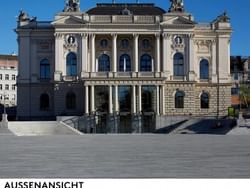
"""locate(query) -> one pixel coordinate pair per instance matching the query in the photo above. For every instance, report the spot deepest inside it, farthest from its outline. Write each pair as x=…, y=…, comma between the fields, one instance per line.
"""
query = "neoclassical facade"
x=123, y=59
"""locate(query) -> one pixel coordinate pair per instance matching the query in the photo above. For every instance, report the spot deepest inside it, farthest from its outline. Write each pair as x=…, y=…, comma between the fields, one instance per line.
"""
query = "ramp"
x=35, y=128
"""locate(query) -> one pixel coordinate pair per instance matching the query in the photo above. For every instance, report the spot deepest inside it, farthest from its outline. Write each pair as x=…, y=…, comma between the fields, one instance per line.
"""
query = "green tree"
x=245, y=94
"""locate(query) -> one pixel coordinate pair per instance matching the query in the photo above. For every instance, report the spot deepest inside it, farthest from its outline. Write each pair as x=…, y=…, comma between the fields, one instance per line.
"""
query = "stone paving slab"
x=125, y=156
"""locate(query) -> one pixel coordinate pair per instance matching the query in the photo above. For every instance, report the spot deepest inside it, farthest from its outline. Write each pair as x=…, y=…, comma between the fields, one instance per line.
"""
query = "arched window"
x=70, y=101
x=179, y=99
x=204, y=100
x=44, y=102
x=178, y=64
x=104, y=63
x=146, y=63
x=204, y=69
x=125, y=63
x=71, y=64
x=44, y=69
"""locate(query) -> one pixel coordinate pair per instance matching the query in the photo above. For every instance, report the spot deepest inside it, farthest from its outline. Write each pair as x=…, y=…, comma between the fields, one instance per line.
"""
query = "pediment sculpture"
x=176, y=6
x=72, y=6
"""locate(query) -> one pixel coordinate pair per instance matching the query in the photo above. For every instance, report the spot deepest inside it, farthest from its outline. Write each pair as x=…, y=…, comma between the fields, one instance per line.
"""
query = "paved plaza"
x=125, y=156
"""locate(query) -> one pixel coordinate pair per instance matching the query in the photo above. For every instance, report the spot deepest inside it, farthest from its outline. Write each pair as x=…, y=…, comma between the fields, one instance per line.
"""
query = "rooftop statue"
x=176, y=6
x=223, y=18
x=72, y=6
x=23, y=16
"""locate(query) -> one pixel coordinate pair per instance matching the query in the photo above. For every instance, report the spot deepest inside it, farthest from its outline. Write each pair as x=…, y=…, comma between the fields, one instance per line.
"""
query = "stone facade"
x=153, y=52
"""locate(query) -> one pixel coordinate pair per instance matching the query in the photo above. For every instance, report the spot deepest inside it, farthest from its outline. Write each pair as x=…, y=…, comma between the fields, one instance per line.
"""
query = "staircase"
x=43, y=128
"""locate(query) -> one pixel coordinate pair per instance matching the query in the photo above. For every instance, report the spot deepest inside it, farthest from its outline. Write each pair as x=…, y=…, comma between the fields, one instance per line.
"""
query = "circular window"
x=71, y=40
x=178, y=40
x=125, y=43
x=104, y=43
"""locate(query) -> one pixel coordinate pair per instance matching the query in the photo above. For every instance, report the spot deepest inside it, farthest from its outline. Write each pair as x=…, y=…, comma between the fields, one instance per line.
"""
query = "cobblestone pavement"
x=125, y=156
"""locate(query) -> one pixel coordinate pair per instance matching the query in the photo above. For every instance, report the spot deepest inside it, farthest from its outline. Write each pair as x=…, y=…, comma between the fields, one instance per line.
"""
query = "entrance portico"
x=124, y=103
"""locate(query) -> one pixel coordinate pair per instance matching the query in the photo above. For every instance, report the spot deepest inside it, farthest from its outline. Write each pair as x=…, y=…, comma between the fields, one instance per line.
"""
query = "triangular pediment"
x=178, y=20
x=69, y=20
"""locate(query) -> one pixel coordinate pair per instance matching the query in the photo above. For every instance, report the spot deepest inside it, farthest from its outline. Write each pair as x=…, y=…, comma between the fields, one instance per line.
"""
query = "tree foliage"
x=245, y=94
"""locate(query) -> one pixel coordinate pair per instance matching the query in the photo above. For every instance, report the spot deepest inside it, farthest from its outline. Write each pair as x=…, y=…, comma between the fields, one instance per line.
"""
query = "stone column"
x=87, y=100
x=136, y=52
x=84, y=54
x=157, y=54
x=110, y=100
x=116, y=99
x=93, y=58
x=163, y=100
x=92, y=99
x=139, y=98
x=157, y=100
x=114, y=52
x=133, y=100
x=214, y=63
x=191, y=72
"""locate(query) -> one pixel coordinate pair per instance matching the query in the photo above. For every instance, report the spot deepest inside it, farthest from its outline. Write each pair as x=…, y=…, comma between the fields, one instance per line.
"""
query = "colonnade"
x=136, y=99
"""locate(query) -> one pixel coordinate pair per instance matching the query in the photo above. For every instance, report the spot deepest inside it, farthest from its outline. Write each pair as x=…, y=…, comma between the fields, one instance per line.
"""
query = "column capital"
x=191, y=36
x=92, y=35
x=58, y=35
x=166, y=35
x=157, y=35
x=84, y=35
x=114, y=35
x=135, y=35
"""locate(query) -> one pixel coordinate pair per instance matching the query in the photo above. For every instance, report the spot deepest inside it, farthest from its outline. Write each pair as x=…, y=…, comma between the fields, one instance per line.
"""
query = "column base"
x=58, y=76
x=191, y=76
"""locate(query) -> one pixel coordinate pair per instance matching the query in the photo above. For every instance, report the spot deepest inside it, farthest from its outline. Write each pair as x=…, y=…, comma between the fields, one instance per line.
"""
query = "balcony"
x=120, y=75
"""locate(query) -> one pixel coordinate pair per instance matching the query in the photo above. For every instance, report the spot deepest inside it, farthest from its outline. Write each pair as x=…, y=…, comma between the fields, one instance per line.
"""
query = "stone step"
x=36, y=128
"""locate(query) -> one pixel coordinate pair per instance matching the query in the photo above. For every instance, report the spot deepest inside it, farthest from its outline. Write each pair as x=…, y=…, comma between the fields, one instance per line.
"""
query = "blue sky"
x=203, y=11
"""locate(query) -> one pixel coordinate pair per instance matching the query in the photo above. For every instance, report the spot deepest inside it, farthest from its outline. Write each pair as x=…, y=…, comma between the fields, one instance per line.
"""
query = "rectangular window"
x=13, y=77
x=6, y=77
x=13, y=97
x=6, y=97
x=6, y=87
x=1, y=76
x=236, y=76
x=13, y=87
x=1, y=86
x=234, y=91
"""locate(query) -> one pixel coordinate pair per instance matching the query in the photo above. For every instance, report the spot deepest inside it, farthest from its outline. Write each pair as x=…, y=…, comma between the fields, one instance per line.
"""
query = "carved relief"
x=178, y=42
x=203, y=46
x=70, y=42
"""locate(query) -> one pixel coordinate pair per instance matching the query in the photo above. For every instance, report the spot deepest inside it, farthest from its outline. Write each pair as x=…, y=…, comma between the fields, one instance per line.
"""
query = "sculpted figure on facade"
x=176, y=6
x=23, y=16
x=72, y=6
x=224, y=17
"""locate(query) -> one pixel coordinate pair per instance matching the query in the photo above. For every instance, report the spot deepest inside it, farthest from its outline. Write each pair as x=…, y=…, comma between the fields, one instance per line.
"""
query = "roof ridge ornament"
x=176, y=6
x=72, y=6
